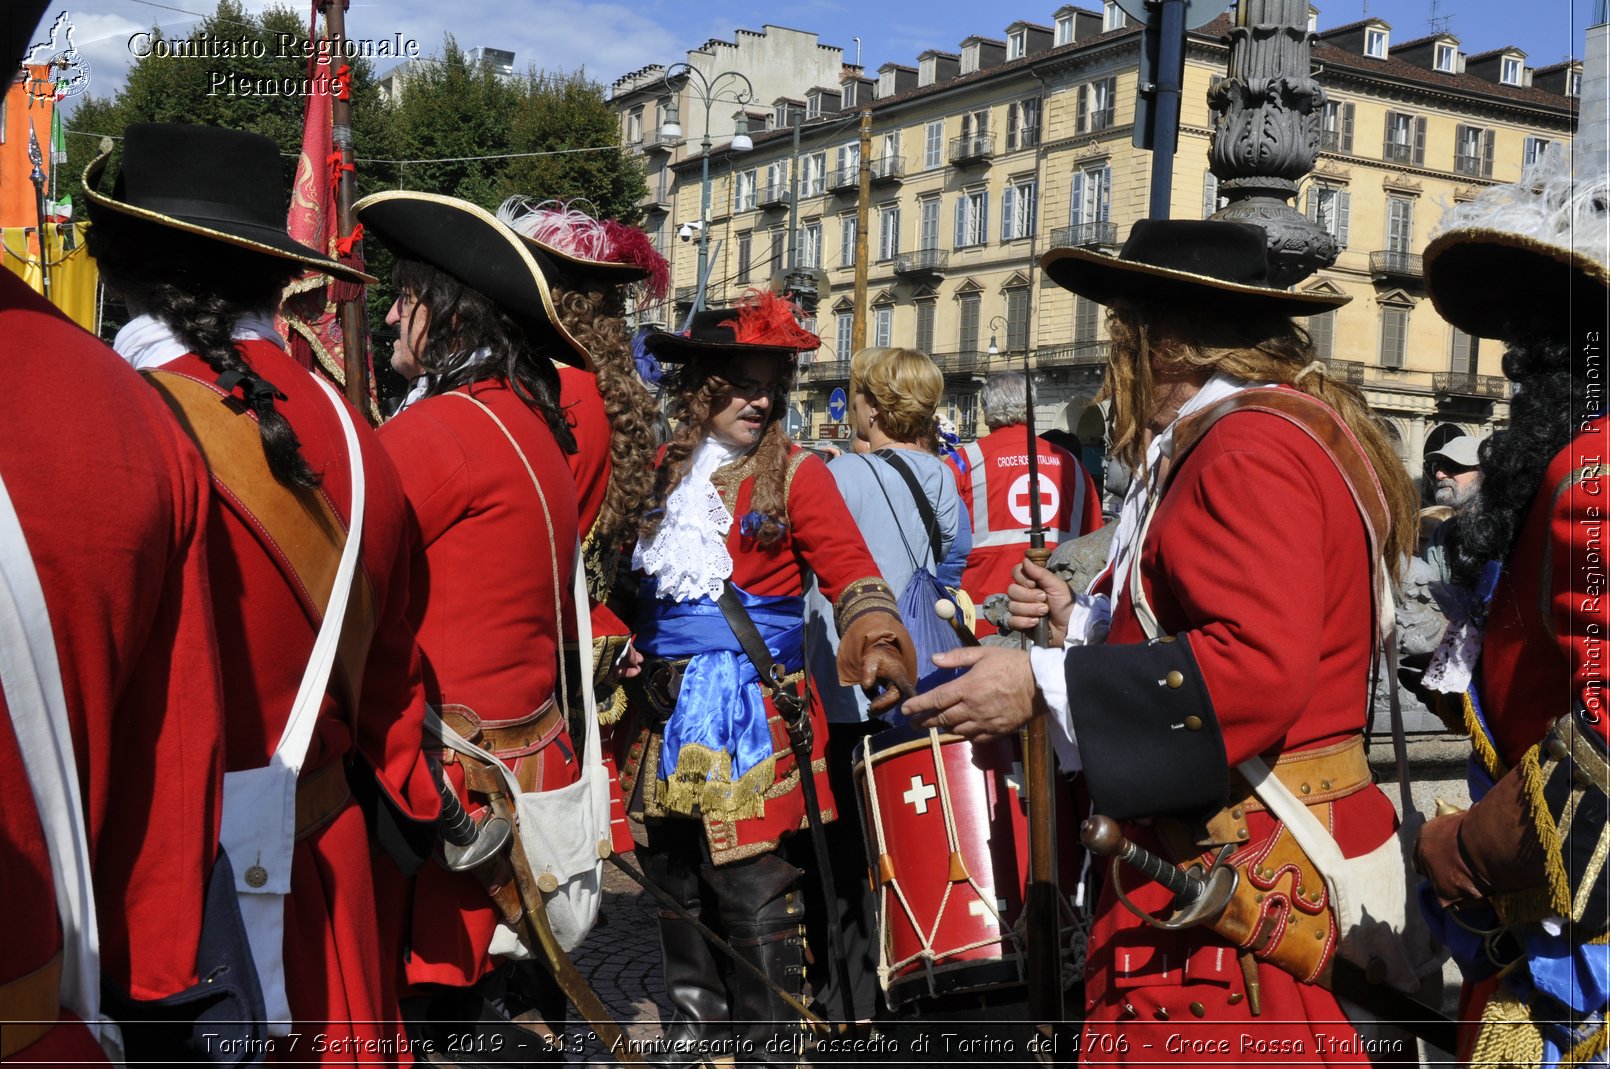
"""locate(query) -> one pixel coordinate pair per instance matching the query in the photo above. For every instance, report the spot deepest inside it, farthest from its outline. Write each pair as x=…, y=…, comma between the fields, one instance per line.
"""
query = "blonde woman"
x=893, y=393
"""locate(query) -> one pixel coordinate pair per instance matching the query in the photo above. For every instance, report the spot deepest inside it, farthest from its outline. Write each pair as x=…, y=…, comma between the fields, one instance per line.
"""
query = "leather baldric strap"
x=1315, y=776
x=320, y=794
x=297, y=527
x=29, y=1007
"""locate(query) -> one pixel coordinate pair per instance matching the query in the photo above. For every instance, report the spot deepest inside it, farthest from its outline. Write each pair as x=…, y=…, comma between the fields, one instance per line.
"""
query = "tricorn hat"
x=221, y=184
x=761, y=324
x=582, y=246
x=1527, y=258
x=469, y=243
x=1185, y=262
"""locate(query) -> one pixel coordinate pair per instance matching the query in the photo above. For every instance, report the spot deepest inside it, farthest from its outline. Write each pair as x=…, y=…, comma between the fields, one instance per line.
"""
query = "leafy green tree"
x=561, y=111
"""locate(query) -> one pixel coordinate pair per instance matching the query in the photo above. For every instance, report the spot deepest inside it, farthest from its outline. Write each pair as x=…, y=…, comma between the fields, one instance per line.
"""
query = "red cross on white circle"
x=1017, y=500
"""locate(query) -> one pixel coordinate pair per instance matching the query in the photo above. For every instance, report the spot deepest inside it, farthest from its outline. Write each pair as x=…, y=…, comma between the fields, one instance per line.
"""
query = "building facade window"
x=882, y=325
x=928, y=224
x=889, y=232
x=1017, y=319
x=848, y=157
x=1462, y=355
x=845, y=333
x=810, y=245
x=1446, y=58
x=1064, y=30
x=1336, y=126
x=1405, y=138
x=812, y=173
x=634, y=126
x=1375, y=43
x=1328, y=209
x=1023, y=124
x=846, y=241
x=743, y=191
x=1473, y=151
x=1573, y=84
x=1394, y=335
x=1091, y=201
x=967, y=323
x=1020, y=205
x=779, y=249
x=1098, y=105
x=1112, y=16
x=933, y=144
x=972, y=218
x=975, y=124
x=746, y=246
x=777, y=178
x=1510, y=70
x=1534, y=149
x=1322, y=332
x=1017, y=44
x=891, y=146
x=1400, y=225
x=925, y=325
x=1086, y=317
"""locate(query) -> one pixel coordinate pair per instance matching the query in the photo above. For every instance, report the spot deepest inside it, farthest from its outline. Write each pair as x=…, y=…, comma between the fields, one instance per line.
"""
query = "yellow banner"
x=73, y=274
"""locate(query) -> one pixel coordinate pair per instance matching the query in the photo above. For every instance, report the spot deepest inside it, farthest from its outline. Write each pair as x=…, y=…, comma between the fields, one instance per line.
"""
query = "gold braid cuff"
x=870, y=594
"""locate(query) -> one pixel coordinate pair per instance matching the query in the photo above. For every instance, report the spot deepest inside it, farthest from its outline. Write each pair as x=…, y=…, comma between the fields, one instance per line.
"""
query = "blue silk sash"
x=716, y=753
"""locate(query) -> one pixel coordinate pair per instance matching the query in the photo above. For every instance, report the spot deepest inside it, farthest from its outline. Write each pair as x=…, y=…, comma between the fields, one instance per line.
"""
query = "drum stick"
x=945, y=609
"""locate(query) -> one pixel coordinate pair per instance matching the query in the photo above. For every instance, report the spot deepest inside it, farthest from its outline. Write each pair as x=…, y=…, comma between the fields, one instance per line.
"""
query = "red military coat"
x=821, y=536
x=1545, y=643
x=482, y=605
x=112, y=498
x=995, y=487
x=1257, y=558
x=333, y=948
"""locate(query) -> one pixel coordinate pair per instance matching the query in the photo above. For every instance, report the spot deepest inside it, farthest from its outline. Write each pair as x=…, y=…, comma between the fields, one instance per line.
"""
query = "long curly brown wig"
x=1258, y=349
x=700, y=389
x=596, y=318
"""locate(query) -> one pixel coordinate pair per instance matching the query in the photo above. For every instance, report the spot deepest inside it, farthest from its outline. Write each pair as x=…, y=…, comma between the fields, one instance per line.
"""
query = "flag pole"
x=38, y=178
x=354, y=331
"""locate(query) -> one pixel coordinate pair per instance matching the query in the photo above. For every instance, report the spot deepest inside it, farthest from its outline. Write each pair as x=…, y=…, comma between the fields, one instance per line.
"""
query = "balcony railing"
x=922, y=262
x=1471, y=165
x=1345, y=371
x=830, y=371
x=845, y=179
x=773, y=196
x=888, y=169
x=1080, y=353
x=968, y=362
x=1392, y=264
x=979, y=149
x=1469, y=384
x=1397, y=152
x=1084, y=235
x=1330, y=141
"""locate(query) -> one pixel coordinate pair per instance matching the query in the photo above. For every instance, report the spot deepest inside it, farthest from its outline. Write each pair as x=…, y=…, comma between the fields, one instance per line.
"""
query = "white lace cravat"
x=687, y=557
x=146, y=342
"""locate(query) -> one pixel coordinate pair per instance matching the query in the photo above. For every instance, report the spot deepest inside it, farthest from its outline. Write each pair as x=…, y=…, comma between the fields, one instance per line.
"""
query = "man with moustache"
x=738, y=515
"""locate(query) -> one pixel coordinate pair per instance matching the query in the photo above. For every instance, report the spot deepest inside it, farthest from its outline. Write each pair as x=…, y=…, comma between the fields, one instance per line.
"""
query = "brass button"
x=547, y=882
x=1161, y=1013
x=1241, y=833
x=1175, y=678
x=1324, y=784
x=1127, y=1012
x=1237, y=812
x=1319, y=933
x=1558, y=748
x=1198, y=1010
x=1306, y=789
x=1257, y=897
x=256, y=876
x=1235, y=997
x=1193, y=723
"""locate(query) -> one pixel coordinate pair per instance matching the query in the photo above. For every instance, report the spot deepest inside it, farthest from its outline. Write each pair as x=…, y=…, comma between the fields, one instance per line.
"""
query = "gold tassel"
x=1507, y=1034
x=1548, y=834
x=1485, y=752
x=1589, y=1050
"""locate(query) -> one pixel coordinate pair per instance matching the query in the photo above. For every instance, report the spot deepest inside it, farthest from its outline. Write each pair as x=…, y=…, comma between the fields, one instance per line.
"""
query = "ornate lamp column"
x=1266, y=135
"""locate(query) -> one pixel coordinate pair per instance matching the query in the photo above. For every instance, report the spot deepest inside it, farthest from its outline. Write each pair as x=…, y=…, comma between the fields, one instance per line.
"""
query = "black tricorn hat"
x=469, y=243
x=1185, y=262
x=220, y=184
x=761, y=324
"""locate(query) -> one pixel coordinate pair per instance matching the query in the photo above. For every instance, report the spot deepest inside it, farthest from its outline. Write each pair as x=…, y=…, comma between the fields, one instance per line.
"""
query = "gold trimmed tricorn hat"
x=227, y=185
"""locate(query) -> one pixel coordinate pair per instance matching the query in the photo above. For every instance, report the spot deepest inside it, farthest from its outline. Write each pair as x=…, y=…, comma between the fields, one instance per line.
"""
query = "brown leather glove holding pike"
x=876, y=649
x=1489, y=849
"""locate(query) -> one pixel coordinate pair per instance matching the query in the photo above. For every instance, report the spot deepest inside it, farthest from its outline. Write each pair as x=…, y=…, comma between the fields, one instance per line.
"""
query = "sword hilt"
x=458, y=827
x=1101, y=835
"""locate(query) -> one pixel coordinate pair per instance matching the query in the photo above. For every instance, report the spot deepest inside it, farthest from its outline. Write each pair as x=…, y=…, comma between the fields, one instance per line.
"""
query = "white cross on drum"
x=919, y=794
x=1017, y=500
x=977, y=908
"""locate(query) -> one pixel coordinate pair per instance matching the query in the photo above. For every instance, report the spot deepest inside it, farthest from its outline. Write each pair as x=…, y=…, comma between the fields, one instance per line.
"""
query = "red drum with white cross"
x=947, y=834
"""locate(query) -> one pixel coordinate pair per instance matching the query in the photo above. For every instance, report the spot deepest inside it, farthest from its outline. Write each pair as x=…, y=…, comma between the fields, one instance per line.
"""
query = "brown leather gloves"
x=1489, y=849
x=874, y=649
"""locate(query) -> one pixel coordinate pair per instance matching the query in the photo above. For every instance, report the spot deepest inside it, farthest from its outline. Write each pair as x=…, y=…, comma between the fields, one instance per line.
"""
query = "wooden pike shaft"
x=354, y=332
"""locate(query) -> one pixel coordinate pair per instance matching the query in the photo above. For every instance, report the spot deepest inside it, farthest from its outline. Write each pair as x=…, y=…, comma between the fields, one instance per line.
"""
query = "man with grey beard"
x=1454, y=467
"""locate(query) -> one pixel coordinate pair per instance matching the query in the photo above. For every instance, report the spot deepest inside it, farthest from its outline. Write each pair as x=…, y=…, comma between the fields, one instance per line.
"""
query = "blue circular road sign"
x=837, y=404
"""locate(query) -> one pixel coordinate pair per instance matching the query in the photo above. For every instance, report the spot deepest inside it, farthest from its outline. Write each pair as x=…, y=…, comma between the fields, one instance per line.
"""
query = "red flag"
x=309, y=319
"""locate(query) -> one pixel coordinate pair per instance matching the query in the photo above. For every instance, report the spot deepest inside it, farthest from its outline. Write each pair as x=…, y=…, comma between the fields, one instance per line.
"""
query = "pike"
x=1041, y=898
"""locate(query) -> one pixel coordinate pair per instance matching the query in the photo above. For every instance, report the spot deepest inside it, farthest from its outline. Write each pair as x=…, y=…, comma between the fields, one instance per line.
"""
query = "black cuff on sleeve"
x=1147, y=734
x=408, y=842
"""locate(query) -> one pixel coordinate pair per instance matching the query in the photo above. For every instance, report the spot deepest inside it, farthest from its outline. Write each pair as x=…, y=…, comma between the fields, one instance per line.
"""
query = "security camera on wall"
x=688, y=230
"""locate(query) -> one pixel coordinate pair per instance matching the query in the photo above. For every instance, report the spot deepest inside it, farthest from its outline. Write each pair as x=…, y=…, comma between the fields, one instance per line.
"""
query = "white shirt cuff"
x=1050, y=678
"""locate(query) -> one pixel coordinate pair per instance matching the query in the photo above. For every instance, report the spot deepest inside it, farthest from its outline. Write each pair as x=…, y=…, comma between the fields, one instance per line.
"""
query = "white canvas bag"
x=258, y=829
x=30, y=675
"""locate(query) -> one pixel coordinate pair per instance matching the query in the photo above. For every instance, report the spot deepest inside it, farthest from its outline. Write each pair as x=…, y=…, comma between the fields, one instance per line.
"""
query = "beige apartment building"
x=985, y=157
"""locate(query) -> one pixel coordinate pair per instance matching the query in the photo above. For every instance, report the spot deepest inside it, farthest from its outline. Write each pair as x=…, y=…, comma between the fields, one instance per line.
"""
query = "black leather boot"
x=763, y=914
x=699, y=1027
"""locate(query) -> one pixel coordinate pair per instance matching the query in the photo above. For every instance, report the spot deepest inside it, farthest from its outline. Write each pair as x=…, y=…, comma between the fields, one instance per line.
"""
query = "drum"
x=947, y=833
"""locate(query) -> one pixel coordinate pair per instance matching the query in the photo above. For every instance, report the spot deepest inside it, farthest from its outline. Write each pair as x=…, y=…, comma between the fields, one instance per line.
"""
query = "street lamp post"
x=729, y=86
x=997, y=324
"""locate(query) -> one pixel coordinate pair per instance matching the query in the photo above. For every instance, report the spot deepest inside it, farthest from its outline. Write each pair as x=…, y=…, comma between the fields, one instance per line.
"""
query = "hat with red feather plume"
x=761, y=323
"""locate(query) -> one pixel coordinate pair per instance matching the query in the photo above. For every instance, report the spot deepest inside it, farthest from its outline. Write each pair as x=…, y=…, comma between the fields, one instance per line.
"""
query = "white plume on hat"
x=1549, y=205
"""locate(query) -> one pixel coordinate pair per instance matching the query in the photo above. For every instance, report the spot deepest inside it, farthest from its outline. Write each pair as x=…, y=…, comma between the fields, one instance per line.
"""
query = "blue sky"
x=609, y=38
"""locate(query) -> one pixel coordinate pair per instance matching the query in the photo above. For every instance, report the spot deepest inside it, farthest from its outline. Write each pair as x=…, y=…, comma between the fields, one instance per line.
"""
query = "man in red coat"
x=1241, y=625
x=1525, y=861
x=738, y=516
x=993, y=476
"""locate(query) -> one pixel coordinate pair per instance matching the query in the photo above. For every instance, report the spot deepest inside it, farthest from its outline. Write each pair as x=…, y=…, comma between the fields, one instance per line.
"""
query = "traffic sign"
x=837, y=404
x=794, y=423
